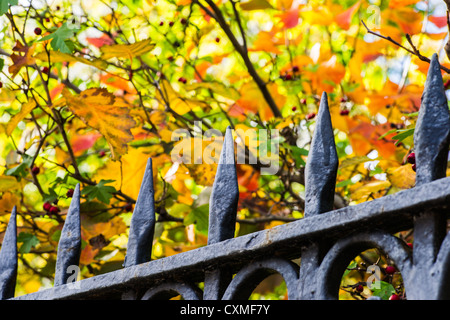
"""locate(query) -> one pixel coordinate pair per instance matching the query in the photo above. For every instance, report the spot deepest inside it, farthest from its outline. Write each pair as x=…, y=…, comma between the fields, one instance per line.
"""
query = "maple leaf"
x=98, y=109
x=128, y=51
x=60, y=38
x=20, y=61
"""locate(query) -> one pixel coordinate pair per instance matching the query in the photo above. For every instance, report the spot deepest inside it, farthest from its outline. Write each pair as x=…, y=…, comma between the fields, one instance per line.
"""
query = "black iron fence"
x=324, y=240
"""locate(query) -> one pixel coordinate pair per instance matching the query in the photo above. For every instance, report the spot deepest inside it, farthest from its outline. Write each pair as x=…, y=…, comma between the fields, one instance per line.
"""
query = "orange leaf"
x=344, y=19
x=81, y=143
x=393, y=4
x=100, y=42
x=266, y=41
x=98, y=109
x=289, y=18
x=439, y=22
x=118, y=83
x=20, y=61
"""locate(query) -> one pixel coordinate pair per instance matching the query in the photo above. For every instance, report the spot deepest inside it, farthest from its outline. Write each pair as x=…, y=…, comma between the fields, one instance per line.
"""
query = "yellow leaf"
x=216, y=87
x=402, y=177
x=372, y=187
x=177, y=103
x=8, y=183
x=7, y=202
x=98, y=109
x=58, y=56
x=128, y=51
x=24, y=111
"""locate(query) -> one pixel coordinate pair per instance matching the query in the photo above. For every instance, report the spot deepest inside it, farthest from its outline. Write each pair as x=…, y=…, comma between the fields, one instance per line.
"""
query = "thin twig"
x=413, y=51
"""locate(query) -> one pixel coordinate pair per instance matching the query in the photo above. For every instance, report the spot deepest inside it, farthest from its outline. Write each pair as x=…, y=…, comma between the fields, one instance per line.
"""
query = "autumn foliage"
x=91, y=91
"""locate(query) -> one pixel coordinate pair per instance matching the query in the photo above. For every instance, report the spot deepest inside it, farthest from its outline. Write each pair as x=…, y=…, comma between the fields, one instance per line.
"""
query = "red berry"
x=295, y=68
x=183, y=21
x=294, y=108
x=409, y=244
x=288, y=77
x=101, y=153
x=47, y=206
x=161, y=23
x=343, y=99
x=217, y=39
x=53, y=210
x=413, y=167
x=360, y=288
x=310, y=116
x=171, y=23
x=344, y=112
x=411, y=158
x=181, y=79
x=69, y=193
x=170, y=58
x=390, y=270
x=1, y=84
x=45, y=70
x=394, y=297
x=128, y=207
x=47, y=19
x=303, y=101
x=35, y=170
x=447, y=83
x=37, y=31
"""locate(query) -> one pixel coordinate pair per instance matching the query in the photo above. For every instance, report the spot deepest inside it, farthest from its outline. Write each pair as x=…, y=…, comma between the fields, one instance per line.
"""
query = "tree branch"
x=413, y=51
x=218, y=16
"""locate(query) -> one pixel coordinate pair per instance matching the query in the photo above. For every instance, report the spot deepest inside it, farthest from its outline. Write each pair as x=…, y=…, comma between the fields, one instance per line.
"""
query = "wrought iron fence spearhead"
x=322, y=164
x=432, y=132
x=224, y=195
x=8, y=259
x=142, y=227
x=69, y=246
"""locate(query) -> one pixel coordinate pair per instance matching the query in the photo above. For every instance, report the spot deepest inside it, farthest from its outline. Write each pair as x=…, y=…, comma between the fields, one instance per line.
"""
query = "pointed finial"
x=69, y=246
x=432, y=132
x=8, y=259
x=139, y=248
x=321, y=165
x=224, y=195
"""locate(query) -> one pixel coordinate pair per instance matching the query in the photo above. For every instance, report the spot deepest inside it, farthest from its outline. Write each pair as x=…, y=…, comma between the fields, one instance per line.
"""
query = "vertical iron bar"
x=224, y=195
x=320, y=179
x=139, y=248
x=69, y=246
x=222, y=214
x=8, y=259
x=431, y=140
x=322, y=164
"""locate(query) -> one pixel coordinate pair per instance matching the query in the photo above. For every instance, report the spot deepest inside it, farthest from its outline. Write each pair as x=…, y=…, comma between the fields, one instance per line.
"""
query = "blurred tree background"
x=91, y=89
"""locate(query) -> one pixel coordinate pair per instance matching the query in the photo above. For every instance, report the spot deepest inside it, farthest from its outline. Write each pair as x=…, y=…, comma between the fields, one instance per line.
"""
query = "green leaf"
x=4, y=5
x=21, y=170
x=200, y=217
x=52, y=196
x=28, y=241
x=383, y=290
x=59, y=38
x=100, y=191
x=297, y=153
x=403, y=135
